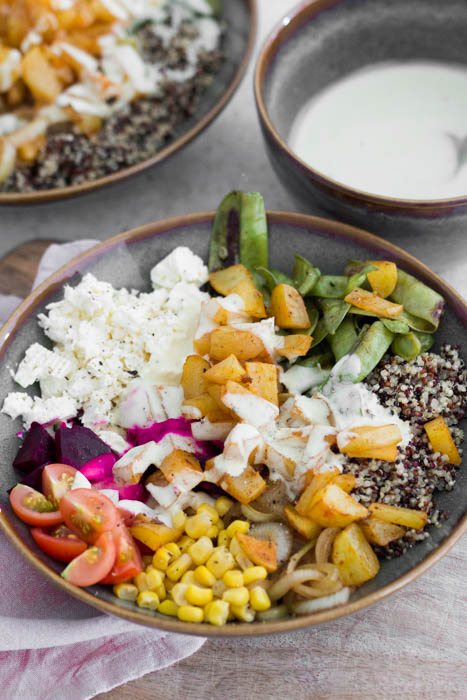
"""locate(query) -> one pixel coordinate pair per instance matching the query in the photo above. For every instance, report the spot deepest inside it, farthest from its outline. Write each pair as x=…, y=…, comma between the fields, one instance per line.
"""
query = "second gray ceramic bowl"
x=322, y=41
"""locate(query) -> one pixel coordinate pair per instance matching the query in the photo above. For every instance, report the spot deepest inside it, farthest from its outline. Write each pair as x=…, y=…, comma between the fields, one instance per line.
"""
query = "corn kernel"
x=164, y=556
x=223, y=505
x=147, y=559
x=178, y=593
x=161, y=592
x=179, y=566
x=184, y=543
x=169, y=585
x=244, y=613
x=204, y=577
x=197, y=525
x=238, y=526
x=234, y=546
x=153, y=580
x=174, y=548
x=259, y=599
x=168, y=607
x=237, y=596
x=216, y=613
x=198, y=596
x=223, y=540
x=254, y=573
x=141, y=582
x=126, y=591
x=220, y=561
x=219, y=588
x=190, y=613
x=201, y=550
x=179, y=520
x=212, y=512
x=243, y=561
x=212, y=532
x=188, y=577
x=148, y=600
x=233, y=579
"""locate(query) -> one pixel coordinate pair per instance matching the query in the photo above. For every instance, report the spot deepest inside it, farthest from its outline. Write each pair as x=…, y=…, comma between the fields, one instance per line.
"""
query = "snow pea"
x=305, y=275
x=321, y=357
x=330, y=286
x=344, y=339
x=418, y=300
x=412, y=344
x=334, y=312
x=371, y=348
x=273, y=277
x=320, y=333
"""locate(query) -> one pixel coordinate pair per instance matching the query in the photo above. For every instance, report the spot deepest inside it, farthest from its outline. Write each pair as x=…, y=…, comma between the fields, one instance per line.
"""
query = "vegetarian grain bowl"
x=237, y=445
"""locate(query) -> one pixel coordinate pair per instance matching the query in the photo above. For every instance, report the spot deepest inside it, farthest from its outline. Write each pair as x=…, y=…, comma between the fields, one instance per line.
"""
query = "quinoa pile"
x=131, y=135
x=431, y=385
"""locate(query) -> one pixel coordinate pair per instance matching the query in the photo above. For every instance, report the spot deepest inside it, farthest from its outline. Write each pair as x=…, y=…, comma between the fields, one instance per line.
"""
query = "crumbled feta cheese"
x=182, y=265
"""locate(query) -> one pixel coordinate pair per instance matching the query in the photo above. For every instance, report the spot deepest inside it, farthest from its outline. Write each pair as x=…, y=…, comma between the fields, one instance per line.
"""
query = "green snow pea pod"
x=321, y=357
x=426, y=340
x=330, y=286
x=418, y=300
x=396, y=325
x=305, y=275
x=320, y=333
x=371, y=348
x=273, y=277
x=344, y=339
x=216, y=7
x=406, y=346
x=358, y=279
x=334, y=312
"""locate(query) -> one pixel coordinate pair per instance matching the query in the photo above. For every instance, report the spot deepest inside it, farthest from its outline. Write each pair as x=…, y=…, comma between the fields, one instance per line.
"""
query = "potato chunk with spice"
x=354, y=557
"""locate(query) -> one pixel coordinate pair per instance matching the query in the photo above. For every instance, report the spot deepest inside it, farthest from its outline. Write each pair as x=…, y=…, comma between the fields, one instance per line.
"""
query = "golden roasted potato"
x=39, y=76
x=379, y=532
x=318, y=481
x=202, y=345
x=288, y=308
x=372, y=302
x=252, y=298
x=354, y=557
x=384, y=279
x=246, y=487
x=261, y=552
x=223, y=281
x=333, y=507
x=28, y=151
x=295, y=346
x=441, y=439
x=407, y=517
x=228, y=369
x=183, y=468
x=194, y=380
x=304, y=526
x=207, y=408
x=345, y=481
x=227, y=341
x=373, y=442
x=154, y=535
x=263, y=377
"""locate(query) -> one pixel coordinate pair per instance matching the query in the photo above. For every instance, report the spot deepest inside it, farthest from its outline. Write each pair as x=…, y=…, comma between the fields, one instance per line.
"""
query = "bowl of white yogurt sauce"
x=363, y=108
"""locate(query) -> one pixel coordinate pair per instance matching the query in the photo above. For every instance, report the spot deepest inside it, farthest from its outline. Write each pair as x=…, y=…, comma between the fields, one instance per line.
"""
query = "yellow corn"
x=238, y=526
x=165, y=555
x=203, y=576
x=197, y=525
x=201, y=550
x=147, y=559
x=178, y=593
x=223, y=539
x=244, y=613
x=184, y=543
x=259, y=599
x=234, y=546
x=169, y=584
x=190, y=613
x=212, y=512
x=148, y=600
x=223, y=505
x=233, y=579
x=243, y=561
x=179, y=566
x=220, y=524
x=141, y=582
x=254, y=573
x=198, y=596
x=218, y=589
x=216, y=613
x=161, y=592
x=153, y=580
x=179, y=520
x=236, y=596
x=220, y=561
x=188, y=577
x=126, y=591
x=212, y=532
x=168, y=607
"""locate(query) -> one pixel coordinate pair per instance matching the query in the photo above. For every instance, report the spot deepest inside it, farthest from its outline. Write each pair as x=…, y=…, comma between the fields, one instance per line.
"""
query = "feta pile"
x=103, y=338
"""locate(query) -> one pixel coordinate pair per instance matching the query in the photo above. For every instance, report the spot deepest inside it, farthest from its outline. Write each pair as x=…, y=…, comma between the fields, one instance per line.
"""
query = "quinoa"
x=136, y=132
x=431, y=385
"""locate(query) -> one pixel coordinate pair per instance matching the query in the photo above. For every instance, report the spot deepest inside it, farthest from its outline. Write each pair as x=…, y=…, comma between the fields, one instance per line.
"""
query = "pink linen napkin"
x=52, y=645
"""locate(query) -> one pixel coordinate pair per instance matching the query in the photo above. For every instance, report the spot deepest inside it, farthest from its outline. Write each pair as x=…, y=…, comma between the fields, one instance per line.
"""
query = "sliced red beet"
x=100, y=467
x=78, y=445
x=37, y=449
x=156, y=431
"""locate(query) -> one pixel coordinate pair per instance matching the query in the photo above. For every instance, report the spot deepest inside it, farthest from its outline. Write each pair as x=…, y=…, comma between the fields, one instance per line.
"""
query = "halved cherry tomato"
x=128, y=562
x=33, y=508
x=57, y=480
x=88, y=513
x=94, y=564
x=59, y=542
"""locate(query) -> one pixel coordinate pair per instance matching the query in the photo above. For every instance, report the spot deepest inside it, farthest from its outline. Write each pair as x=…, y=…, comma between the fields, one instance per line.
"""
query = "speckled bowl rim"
x=290, y=25
x=326, y=227
x=45, y=196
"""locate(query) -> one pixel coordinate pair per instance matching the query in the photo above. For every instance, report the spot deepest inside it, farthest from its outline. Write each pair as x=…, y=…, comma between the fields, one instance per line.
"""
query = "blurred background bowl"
x=322, y=41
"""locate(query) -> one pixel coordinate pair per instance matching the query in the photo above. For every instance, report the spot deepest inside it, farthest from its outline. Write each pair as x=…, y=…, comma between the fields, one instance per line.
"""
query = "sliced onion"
x=278, y=612
x=315, y=592
x=7, y=158
x=293, y=561
x=304, y=607
x=256, y=516
x=324, y=544
x=285, y=583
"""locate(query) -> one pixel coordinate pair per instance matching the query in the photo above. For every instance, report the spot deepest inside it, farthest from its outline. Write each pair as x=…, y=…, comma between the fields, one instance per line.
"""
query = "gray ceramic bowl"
x=126, y=261
x=322, y=41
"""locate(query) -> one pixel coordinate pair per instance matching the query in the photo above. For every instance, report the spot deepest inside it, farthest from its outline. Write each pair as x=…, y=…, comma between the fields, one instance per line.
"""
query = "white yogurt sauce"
x=392, y=129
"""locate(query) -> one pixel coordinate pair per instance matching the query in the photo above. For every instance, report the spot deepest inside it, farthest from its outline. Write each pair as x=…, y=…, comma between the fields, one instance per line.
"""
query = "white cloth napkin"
x=51, y=645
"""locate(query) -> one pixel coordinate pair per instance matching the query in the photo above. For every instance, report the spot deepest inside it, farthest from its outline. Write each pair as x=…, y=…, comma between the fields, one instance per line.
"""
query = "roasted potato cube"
x=154, y=535
x=288, y=308
x=227, y=341
x=407, y=517
x=263, y=380
x=372, y=302
x=194, y=381
x=441, y=439
x=228, y=369
x=261, y=552
x=29, y=151
x=318, y=481
x=379, y=532
x=246, y=487
x=295, y=346
x=345, y=481
x=223, y=281
x=204, y=407
x=252, y=298
x=304, y=526
x=39, y=76
x=354, y=557
x=182, y=468
x=333, y=507
x=202, y=345
x=384, y=279
x=373, y=440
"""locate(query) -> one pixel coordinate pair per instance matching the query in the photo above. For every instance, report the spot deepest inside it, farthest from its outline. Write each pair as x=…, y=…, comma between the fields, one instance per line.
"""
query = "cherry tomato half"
x=58, y=542
x=94, y=564
x=33, y=508
x=88, y=513
x=128, y=562
x=57, y=480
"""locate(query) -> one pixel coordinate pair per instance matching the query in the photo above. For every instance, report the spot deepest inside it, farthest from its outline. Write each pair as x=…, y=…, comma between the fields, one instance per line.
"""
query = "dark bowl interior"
x=126, y=261
x=240, y=19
